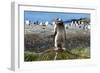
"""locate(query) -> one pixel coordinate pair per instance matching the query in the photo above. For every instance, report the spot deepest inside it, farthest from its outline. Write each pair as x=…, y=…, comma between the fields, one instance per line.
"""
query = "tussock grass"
x=77, y=53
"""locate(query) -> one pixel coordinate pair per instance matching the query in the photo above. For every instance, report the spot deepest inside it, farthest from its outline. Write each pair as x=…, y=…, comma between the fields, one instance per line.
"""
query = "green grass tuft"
x=77, y=53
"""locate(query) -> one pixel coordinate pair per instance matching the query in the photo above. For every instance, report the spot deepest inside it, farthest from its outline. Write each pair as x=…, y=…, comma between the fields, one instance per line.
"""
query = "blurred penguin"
x=60, y=35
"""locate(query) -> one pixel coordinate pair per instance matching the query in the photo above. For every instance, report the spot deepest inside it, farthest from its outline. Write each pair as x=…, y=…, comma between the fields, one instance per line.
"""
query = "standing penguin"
x=60, y=35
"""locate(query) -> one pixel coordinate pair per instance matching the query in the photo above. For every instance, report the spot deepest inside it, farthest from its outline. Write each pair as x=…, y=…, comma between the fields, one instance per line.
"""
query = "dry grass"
x=38, y=45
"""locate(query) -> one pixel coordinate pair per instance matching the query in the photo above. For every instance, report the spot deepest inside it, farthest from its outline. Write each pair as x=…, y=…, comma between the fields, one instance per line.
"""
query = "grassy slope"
x=40, y=42
x=49, y=54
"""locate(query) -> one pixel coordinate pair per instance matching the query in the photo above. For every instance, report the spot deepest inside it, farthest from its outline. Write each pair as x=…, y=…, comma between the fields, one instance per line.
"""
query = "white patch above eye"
x=59, y=19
